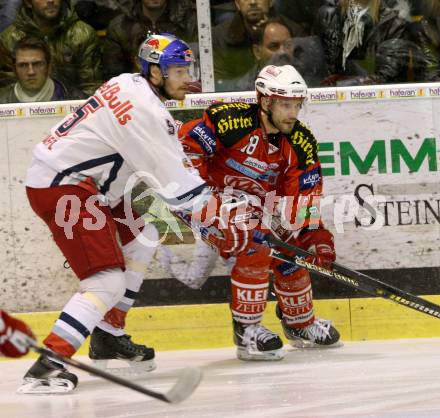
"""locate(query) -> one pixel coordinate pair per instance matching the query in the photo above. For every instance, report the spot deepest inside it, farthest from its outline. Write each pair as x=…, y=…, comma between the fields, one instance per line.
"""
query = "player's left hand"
x=15, y=336
x=320, y=243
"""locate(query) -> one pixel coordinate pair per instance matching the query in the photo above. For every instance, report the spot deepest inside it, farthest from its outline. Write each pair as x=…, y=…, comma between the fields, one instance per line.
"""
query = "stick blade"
x=185, y=386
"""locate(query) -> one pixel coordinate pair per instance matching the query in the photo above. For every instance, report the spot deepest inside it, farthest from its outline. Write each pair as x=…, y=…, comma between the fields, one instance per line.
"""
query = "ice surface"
x=395, y=379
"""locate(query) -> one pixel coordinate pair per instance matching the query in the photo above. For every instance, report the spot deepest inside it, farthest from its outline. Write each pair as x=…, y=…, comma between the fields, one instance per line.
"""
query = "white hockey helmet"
x=281, y=81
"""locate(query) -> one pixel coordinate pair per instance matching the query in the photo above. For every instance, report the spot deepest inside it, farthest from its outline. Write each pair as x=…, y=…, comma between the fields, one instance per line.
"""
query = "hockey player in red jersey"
x=15, y=336
x=254, y=152
x=77, y=182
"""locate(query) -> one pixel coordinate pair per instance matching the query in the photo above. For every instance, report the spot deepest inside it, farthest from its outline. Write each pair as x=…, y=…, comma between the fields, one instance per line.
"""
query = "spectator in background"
x=5, y=65
x=32, y=67
x=274, y=38
x=400, y=61
x=98, y=13
x=233, y=39
x=275, y=45
x=308, y=58
x=344, y=27
x=221, y=10
x=8, y=9
x=351, y=32
x=126, y=31
x=424, y=30
x=358, y=40
x=405, y=43
x=74, y=45
x=300, y=11
x=397, y=61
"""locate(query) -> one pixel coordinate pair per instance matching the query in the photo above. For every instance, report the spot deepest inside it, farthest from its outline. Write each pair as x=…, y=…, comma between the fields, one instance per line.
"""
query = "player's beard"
x=176, y=93
x=165, y=93
x=50, y=14
x=285, y=128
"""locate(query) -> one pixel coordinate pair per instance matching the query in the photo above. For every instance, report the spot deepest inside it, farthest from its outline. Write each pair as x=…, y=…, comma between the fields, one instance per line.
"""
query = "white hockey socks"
x=137, y=258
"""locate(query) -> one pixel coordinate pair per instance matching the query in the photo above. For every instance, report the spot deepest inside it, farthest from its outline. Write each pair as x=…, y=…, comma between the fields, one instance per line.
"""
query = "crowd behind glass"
x=62, y=49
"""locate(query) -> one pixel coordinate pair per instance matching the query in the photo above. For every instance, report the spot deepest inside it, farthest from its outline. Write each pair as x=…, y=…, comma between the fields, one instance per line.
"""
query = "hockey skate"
x=319, y=334
x=47, y=376
x=105, y=347
x=255, y=342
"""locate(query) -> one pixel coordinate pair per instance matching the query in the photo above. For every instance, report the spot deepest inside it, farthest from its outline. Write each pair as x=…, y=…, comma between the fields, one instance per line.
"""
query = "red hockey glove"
x=319, y=242
x=15, y=336
x=226, y=226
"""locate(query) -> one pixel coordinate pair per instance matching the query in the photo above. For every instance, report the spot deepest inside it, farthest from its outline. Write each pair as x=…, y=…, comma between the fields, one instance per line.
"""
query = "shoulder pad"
x=304, y=144
x=232, y=121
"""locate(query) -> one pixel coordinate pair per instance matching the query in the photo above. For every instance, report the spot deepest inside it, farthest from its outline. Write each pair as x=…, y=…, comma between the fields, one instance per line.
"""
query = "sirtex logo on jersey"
x=226, y=106
x=120, y=109
x=298, y=138
x=229, y=124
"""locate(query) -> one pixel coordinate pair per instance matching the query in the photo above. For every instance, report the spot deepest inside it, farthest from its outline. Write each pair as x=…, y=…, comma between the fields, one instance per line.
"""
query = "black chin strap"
x=268, y=113
x=163, y=92
x=269, y=118
x=159, y=90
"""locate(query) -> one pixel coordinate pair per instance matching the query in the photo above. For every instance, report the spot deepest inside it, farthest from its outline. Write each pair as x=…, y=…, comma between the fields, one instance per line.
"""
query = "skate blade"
x=307, y=344
x=133, y=368
x=254, y=355
x=33, y=386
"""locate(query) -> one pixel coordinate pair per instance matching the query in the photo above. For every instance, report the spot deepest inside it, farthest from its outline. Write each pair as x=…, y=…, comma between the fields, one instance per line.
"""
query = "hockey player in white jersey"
x=76, y=183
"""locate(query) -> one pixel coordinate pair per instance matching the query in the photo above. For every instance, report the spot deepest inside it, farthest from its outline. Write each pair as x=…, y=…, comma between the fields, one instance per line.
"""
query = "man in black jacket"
x=126, y=31
x=233, y=39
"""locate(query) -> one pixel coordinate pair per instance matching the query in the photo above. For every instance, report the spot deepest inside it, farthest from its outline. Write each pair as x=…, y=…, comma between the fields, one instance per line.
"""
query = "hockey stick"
x=351, y=278
x=188, y=380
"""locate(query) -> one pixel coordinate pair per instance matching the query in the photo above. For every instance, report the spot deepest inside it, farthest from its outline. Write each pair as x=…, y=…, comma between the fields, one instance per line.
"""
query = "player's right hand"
x=15, y=336
x=229, y=225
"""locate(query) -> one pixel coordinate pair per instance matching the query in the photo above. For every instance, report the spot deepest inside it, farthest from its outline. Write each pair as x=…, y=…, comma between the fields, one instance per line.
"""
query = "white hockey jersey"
x=120, y=135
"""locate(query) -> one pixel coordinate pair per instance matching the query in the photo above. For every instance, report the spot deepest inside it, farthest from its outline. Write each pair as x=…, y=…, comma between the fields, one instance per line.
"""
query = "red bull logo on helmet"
x=158, y=42
x=153, y=43
x=164, y=50
x=153, y=47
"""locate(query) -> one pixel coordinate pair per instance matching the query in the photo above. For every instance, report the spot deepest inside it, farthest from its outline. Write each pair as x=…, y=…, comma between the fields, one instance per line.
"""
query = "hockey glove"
x=15, y=336
x=320, y=243
x=233, y=223
x=226, y=226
